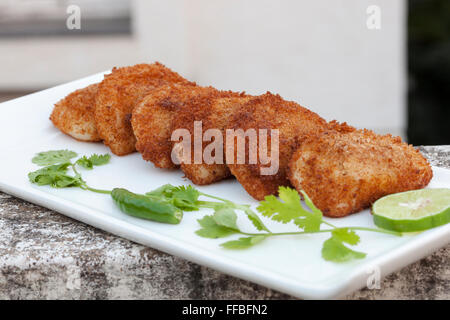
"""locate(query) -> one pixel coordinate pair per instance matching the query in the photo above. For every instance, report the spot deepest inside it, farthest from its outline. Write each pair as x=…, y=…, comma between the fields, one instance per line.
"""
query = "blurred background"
x=379, y=64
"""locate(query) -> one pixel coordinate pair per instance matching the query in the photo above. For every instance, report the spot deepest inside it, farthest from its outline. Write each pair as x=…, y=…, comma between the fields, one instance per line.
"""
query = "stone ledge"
x=45, y=255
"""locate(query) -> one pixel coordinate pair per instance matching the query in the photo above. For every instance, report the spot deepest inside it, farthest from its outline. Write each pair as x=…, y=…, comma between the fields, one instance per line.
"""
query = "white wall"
x=319, y=53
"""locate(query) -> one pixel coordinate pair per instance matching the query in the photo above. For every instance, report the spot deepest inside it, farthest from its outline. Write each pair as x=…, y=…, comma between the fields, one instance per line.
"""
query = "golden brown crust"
x=74, y=115
x=343, y=127
x=214, y=111
x=294, y=123
x=153, y=119
x=118, y=93
x=345, y=172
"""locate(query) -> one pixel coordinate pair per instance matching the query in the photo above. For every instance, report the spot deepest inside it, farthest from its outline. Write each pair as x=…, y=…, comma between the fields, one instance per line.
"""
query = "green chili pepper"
x=144, y=207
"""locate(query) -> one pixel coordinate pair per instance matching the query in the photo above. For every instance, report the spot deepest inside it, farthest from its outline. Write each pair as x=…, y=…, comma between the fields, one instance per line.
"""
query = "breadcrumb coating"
x=345, y=172
x=74, y=115
x=214, y=110
x=119, y=93
x=294, y=122
x=153, y=118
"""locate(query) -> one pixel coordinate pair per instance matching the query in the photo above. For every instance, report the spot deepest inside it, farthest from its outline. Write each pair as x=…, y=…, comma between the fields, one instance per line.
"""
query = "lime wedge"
x=413, y=210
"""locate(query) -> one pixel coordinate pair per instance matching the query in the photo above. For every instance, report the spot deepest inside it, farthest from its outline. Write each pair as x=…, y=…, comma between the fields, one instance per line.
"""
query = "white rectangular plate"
x=291, y=264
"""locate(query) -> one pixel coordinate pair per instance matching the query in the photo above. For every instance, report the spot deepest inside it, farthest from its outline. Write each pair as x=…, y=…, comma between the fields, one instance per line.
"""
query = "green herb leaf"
x=163, y=191
x=290, y=210
x=346, y=235
x=334, y=250
x=100, y=160
x=210, y=229
x=281, y=211
x=243, y=243
x=183, y=197
x=57, y=168
x=55, y=176
x=85, y=163
x=255, y=220
x=226, y=217
x=310, y=204
x=53, y=157
x=94, y=160
x=308, y=223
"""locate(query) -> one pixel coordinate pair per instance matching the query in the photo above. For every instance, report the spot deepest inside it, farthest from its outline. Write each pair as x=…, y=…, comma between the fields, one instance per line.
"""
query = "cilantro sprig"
x=288, y=208
x=167, y=204
x=57, y=165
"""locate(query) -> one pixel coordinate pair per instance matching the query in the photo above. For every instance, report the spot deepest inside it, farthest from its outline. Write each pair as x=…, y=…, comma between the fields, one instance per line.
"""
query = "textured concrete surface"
x=45, y=255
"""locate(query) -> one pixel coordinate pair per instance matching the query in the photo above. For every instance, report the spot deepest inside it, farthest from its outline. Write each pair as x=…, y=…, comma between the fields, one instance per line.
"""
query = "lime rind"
x=411, y=211
x=411, y=225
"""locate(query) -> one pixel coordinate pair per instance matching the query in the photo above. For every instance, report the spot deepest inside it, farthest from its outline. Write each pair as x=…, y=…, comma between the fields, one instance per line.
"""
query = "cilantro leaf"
x=308, y=222
x=346, y=235
x=290, y=209
x=255, y=220
x=226, y=217
x=55, y=176
x=281, y=211
x=310, y=204
x=85, y=163
x=65, y=181
x=100, y=160
x=165, y=191
x=94, y=160
x=53, y=157
x=243, y=243
x=57, y=168
x=210, y=229
x=183, y=197
x=334, y=250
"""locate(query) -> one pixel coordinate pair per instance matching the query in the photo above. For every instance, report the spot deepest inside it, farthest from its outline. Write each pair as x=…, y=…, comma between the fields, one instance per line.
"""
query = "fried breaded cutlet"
x=294, y=124
x=74, y=115
x=344, y=173
x=152, y=120
x=119, y=93
x=214, y=111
